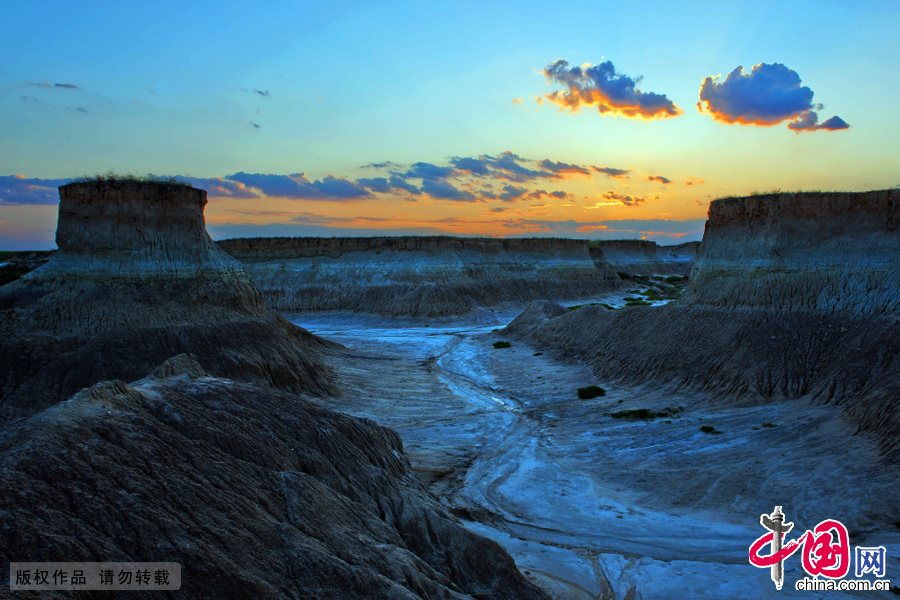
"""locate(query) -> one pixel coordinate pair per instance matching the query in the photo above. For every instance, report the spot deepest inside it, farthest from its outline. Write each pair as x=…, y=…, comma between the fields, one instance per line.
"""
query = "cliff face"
x=792, y=296
x=137, y=279
x=420, y=276
x=833, y=252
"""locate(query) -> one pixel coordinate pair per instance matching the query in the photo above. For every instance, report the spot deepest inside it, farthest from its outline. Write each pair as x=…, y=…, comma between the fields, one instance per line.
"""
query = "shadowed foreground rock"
x=257, y=494
x=135, y=281
x=792, y=296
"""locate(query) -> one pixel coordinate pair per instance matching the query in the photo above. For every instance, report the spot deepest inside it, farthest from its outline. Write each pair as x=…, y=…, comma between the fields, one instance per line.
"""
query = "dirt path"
x=592, y=506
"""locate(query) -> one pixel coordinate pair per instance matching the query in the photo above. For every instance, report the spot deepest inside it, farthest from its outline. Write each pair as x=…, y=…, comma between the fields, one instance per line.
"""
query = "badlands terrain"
x=401, y=417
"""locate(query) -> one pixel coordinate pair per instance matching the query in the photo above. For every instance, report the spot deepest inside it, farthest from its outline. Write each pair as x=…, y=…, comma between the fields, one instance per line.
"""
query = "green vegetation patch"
x=502, y=344
x=590, y=391
x=638, y=303
x=645, y=414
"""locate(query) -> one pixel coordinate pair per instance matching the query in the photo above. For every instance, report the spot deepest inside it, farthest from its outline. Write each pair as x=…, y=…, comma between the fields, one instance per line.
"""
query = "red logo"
x=826, y=549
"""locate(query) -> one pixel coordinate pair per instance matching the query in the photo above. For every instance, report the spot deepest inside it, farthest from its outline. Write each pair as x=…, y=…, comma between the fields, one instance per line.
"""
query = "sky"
x=600, y=120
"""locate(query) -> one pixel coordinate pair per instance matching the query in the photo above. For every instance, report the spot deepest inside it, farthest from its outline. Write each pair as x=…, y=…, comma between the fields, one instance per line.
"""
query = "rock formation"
x=643, y=257
x=831, y=252
x=254, y=491
x=419, y=276
x=791, y=296
x=135, y=281
x=213, y=461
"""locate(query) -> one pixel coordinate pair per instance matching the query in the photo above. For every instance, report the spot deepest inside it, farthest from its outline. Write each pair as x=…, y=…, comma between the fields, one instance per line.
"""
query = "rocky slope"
x=135, y=281
x=255, y=492
x=792, y=296
x=418, y=276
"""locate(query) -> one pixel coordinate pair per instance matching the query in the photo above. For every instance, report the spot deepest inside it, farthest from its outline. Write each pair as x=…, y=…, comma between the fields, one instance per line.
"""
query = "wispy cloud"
x=58, y=86
x=694, y=181
x=612, y=172
x=659, y=179
x=612, y=198
x=611, y=93
x=768, y=95
x=298, y=186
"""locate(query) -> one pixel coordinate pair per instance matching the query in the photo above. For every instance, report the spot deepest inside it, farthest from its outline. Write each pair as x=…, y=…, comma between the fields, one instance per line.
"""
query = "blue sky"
x=214, y=90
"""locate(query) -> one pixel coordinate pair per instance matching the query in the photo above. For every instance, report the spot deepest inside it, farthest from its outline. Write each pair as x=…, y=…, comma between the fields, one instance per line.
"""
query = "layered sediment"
x=644, y=257
x=831, y=252
x=791, y=296
x=135, y=281
x=434, y=276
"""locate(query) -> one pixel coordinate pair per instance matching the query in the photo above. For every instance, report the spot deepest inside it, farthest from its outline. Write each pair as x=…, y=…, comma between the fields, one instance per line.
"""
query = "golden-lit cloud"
x=601, y=87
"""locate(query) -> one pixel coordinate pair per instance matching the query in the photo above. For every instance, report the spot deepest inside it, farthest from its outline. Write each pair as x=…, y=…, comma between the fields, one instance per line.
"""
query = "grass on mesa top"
x=502, y=344
x=113, y=177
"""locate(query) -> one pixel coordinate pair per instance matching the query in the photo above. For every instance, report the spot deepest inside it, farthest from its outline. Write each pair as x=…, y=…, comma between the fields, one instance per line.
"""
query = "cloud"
x=59, y=86
x=423, y=170
x=512, y=167
x=561, y=167
x=17, y=190
x=298, y=186
x=768, y=95
x=512, y=193
x=659, y=179
x=808, y=121
x=538, y=194
x=255, y=125
x=516, y=101
x=610, y=92
x=613, y=198
x=694, y=181
x=264, y=94
x=612, y=172
x=442, y=190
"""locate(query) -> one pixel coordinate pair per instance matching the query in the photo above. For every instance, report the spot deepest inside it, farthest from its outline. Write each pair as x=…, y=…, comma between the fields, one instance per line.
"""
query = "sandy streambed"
x=592, y=506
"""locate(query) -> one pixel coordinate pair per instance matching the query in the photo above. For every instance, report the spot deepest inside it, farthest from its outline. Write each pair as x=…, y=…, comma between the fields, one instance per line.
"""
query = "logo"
x=825, y=553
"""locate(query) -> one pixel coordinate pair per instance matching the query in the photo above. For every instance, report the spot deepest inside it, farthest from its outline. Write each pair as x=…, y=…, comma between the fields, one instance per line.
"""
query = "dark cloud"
x=382, y=165
x=80, y=109
x=16, y=190
x=396, y=182
x=255, y=125
x=375, y=184
x=264, y=94
x=538, y=194
x=612, y=172
x=561, y=167
x=659, y=179
x=512, y=193
x=625, y=199
x=808, y=121
x=768, y=95
x=610, y=92
x=442, y=190
x=424, y=170
x=297, y=185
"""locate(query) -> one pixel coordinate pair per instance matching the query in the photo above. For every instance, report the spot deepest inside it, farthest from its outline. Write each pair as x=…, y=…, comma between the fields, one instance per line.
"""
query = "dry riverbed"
x=594, y=506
